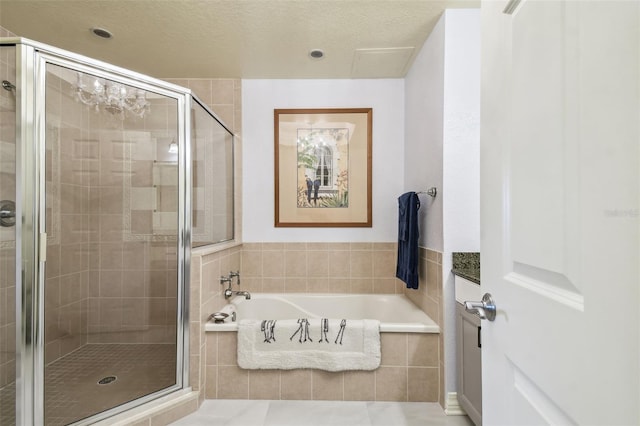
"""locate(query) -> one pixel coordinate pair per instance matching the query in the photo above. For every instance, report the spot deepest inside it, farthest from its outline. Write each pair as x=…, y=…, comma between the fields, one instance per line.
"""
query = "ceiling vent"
x=390, y=62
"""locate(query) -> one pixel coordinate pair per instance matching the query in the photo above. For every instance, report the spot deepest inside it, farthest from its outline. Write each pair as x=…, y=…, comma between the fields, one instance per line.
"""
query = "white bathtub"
x=396, y=313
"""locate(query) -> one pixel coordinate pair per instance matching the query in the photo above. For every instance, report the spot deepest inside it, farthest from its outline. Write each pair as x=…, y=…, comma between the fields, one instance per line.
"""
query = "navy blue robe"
x=407, y=267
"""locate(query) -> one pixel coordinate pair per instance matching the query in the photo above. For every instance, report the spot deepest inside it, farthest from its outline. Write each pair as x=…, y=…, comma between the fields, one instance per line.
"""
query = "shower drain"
x=107, y=380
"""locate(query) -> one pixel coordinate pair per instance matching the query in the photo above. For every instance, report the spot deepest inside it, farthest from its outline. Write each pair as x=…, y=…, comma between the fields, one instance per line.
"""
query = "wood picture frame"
x=323, y=167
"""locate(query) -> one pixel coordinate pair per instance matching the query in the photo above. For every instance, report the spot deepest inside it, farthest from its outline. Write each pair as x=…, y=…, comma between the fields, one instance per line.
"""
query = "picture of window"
x=323, y=167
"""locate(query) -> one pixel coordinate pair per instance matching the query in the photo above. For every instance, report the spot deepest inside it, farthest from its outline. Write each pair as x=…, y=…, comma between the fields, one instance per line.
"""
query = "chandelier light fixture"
x=115, y=98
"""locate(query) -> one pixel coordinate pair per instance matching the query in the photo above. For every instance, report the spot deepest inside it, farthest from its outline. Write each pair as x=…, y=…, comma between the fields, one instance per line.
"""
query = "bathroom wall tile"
x=317, y=246
x=295, y=285
x=317, y=263
x=361, y=264
x=327, y=385
x=222, y=91
x=423, y=384
x=384, y=285
x=432, y=279
x=252, y=246
x=318, y=285
x=339, y=264
x=53, y=261
x=194, y=340
x=227, y=348
x=111, y=283
x=385, y=246
x=361, y=285
x=202, y=89
x=233, y=383
x=111, y=256
x=195, y=371
x=359, y=385
x=295, y=263
x=384, y=264
x=252, y=285
x=423, y=350
x=272, y=263
x=295, y=246
x=211, y=382
x=134, y=312
x=225, y=113
x=361, y=246
x=134, y=255
x=393, y=348
x=441, y=385
x=273, y=285
x=211, y=272
x=339, y=285
x=339, y=247
x=391, y=384
x=271, y=246
x=264, y=384
x=251, y=263
x=295, y=384
x=111, y=201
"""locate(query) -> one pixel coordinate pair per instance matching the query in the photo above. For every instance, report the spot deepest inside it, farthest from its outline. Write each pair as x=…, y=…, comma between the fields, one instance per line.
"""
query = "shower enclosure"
x=96, y=228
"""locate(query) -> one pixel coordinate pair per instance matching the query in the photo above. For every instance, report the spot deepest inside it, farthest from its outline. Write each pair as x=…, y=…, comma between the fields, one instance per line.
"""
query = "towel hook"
x=432, y=192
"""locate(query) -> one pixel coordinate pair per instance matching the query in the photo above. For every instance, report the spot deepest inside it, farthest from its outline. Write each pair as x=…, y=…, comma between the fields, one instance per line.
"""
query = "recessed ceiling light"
x=102, y=33
x=316, y=54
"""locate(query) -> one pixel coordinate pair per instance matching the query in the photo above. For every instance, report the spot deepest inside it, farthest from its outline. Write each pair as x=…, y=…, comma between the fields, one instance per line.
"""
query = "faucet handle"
x=224, y=279
x=235, y=274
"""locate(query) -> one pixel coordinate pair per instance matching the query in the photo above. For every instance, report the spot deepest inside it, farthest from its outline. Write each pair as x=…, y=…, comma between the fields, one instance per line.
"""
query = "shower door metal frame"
x=31, y=61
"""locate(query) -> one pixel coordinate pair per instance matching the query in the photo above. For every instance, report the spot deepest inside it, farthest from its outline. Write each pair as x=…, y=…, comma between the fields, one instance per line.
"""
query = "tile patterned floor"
x=72, y=391
x=319, y=413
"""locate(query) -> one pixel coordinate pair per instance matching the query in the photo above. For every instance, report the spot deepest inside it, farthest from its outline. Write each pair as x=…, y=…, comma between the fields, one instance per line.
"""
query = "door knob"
x=485, y=309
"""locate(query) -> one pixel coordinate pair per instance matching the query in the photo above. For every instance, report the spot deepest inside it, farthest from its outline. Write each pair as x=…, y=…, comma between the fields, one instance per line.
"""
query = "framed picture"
x=323, y=167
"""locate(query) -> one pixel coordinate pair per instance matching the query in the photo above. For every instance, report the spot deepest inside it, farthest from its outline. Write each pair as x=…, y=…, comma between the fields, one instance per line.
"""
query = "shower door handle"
x=7, y=213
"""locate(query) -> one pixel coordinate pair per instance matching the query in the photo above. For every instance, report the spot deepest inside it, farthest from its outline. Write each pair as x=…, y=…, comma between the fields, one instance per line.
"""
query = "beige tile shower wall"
x=133, y=260
x=320, y=268
x=409, y=372
x=222, y=95
x=68, y=175
x=429, y=298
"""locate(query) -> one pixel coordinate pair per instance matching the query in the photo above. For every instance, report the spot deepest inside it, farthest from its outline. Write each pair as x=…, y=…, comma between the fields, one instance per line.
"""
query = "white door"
x=560, y=185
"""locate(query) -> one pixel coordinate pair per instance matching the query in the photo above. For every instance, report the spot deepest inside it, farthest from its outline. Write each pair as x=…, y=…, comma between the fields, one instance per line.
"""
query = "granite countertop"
x=467, y=265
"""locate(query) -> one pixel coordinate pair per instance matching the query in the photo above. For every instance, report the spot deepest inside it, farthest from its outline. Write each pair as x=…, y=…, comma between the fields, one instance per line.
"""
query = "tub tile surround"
x=411, y=367
x=428, y=297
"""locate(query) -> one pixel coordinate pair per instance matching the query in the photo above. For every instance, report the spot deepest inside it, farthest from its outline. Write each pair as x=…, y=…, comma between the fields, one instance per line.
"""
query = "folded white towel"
x=324, y=344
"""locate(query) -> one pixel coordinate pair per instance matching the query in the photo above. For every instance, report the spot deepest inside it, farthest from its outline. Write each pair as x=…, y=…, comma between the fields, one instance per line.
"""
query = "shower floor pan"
x=72, y=388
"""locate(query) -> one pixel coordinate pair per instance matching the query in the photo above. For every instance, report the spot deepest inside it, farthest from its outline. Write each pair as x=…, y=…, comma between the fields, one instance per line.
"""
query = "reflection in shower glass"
x=7, y=238
x=212, y=153
x=111, y=272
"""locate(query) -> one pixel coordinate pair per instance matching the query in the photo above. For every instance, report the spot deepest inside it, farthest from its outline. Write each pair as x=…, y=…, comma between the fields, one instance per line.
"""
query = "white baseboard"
x=452, y=406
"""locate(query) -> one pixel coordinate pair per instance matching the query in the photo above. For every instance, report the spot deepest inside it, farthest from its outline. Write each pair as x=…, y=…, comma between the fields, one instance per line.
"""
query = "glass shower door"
x=111, y=285
x=7, y=237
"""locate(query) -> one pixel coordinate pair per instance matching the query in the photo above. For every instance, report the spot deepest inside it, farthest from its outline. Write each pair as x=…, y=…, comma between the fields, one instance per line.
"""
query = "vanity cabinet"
x=469, y=358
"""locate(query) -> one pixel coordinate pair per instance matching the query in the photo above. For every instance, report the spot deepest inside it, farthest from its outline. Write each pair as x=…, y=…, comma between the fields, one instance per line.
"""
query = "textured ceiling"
x=237, y=38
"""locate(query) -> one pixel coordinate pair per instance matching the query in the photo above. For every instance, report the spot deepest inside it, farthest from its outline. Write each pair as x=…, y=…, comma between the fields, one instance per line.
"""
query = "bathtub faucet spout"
x=228, y=293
